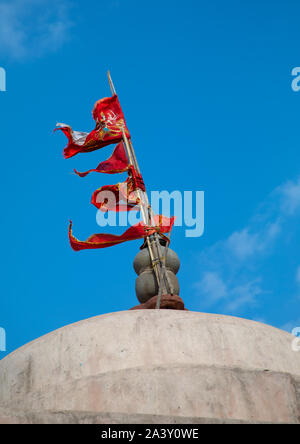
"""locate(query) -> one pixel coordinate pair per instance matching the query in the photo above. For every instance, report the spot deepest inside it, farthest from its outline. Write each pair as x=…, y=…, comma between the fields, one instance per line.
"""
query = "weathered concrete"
x=154, y=366
x=79, y=417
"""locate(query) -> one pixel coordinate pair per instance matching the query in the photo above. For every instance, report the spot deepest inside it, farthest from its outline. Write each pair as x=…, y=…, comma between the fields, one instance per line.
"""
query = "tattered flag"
x=110, y=122
x=117, y=163
x=162, y=224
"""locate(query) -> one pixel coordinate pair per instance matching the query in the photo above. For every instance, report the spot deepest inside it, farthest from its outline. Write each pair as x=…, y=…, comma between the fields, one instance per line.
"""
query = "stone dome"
x=154, y=366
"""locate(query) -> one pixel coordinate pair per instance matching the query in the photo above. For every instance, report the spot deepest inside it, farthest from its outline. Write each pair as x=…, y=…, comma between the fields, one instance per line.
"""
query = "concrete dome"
x=154, y=366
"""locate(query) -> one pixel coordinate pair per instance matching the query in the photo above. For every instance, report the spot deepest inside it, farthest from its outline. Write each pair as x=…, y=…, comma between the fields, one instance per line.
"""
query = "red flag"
x=136, y=178
x=109, y=197
x=117, y=163
x=102, y=240
x=110, y=121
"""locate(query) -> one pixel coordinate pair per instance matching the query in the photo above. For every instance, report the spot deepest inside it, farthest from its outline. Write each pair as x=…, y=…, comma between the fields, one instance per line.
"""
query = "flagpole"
x=160, y=275
x=112, y=88
x=153, y=259
x=156, y=239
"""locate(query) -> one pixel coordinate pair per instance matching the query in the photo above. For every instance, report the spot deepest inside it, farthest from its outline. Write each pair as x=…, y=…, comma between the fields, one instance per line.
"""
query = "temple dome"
x=154, y=366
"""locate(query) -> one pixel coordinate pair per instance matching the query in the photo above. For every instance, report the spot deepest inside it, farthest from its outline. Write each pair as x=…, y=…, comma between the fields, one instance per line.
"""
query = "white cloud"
x=251, y=241
x=230, y=268
x=243, y=244
x=216, y=289
x=290, y=197
x=290, y=325
x=33, y=27
x=212, y=287
x=244, y=294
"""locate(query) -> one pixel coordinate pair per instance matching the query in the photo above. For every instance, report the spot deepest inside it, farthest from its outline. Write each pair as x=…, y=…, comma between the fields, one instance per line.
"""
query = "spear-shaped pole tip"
x=113, y=91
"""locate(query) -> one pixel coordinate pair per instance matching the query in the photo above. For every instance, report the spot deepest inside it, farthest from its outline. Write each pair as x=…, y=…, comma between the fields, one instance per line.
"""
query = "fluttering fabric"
x=116, y=163
x=162, y=224
x=109, y=120
x=119, y=197
x=109, y=129
x=136, y=178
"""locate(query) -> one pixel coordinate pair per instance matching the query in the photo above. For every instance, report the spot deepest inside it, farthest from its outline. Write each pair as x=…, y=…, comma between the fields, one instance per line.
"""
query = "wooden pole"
x=161, y=275
x=144, y=215
x=112, y=88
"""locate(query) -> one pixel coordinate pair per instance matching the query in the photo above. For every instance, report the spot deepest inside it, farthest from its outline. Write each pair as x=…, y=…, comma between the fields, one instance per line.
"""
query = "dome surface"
x=154, y=366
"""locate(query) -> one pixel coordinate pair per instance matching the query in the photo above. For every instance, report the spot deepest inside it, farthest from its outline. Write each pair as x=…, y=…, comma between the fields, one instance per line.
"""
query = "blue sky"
x=206, y=90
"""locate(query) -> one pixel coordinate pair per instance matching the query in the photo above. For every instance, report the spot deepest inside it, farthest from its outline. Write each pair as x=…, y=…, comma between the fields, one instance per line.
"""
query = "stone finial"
x=146, y=283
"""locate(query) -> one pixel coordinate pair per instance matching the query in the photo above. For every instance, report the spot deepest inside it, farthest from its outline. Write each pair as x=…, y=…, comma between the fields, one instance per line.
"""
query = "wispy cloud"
x=33, y=27
x=230, y=274
x=290, y=325
x=290, y=197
